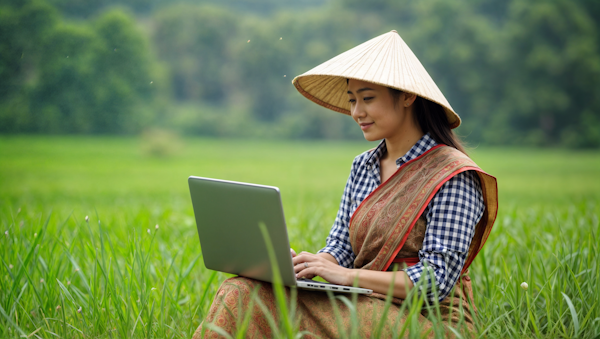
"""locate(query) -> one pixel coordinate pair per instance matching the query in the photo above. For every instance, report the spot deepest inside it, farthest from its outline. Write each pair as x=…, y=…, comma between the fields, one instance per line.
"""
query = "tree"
x=194, y=42
x=23, y=27
x=550, y=92
x=124, y=74
x=58, y=77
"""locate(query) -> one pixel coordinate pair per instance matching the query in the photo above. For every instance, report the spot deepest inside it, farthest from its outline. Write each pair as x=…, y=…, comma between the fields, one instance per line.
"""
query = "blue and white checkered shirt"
x=451, y=216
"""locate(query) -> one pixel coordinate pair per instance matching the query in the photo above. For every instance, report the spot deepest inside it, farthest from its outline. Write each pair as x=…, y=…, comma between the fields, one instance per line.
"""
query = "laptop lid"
x=228, y=215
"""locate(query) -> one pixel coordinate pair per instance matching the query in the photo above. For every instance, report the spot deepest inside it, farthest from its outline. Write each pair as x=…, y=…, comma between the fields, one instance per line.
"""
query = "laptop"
x=228, y=215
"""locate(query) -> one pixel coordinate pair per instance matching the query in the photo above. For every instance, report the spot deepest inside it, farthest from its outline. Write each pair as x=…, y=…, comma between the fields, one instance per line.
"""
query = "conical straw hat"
x=385, y=60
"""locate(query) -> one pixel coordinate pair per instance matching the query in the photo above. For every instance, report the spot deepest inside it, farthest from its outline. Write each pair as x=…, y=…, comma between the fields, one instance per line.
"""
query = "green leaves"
x=87, y=77
x=518, y=72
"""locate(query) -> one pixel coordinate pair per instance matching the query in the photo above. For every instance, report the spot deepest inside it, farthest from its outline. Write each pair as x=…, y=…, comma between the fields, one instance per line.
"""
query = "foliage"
x=518, y=72
x=194, y=40
x=73, y=77
x=118, y=275
x=84, y=9
x=555, y=79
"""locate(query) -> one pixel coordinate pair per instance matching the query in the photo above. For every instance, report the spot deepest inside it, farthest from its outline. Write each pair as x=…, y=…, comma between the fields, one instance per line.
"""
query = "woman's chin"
x=370, y=137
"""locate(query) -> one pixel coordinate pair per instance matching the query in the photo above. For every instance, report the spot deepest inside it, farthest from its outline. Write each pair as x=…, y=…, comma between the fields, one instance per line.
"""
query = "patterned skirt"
x=318, y=316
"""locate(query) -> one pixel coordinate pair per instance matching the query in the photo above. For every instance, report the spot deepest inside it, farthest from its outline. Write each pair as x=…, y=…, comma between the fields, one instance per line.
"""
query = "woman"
x=416, y=201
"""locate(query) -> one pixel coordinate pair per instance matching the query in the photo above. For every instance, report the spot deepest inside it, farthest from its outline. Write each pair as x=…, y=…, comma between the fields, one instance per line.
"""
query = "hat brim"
x=385, y=60
x=336, y=84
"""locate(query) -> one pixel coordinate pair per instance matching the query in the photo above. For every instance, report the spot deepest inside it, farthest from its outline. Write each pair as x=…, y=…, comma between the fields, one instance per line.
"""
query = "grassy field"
x=133, y=268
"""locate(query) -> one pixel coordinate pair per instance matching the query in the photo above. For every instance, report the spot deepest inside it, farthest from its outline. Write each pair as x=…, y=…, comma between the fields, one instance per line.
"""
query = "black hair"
x=432, y=119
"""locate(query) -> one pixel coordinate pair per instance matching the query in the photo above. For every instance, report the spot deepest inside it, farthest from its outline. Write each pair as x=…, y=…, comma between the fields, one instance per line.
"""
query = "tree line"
x=518, y=72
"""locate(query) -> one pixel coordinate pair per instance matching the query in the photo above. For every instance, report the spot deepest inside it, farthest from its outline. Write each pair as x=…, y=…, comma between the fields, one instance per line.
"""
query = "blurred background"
x=519, y=72
x=107, y=106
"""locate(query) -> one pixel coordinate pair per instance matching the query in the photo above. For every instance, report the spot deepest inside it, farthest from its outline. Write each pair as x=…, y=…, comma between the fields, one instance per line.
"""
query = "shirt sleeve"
x=451, y=217
x=338, y=241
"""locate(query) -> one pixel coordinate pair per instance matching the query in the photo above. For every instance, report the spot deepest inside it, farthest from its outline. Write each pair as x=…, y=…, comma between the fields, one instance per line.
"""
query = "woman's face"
x=372, y=107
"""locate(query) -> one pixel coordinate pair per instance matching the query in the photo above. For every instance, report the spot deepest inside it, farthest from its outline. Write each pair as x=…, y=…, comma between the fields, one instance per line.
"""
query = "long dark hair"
x=433, y=120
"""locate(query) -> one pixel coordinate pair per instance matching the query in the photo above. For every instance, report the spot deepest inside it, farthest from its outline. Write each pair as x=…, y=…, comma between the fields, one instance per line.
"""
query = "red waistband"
x=410, y=261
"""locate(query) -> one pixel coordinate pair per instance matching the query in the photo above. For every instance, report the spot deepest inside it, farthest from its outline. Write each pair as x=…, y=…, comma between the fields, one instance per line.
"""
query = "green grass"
x=116, y=275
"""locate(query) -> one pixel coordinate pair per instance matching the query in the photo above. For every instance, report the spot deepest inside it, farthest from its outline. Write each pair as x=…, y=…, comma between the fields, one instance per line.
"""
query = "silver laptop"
x=228, y=215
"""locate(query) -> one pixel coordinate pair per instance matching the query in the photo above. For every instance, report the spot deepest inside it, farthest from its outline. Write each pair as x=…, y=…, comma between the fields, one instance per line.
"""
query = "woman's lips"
x=365, y=126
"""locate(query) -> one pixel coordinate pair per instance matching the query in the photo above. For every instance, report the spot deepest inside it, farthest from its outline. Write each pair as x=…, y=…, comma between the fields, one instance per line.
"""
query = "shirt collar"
x=423, y=145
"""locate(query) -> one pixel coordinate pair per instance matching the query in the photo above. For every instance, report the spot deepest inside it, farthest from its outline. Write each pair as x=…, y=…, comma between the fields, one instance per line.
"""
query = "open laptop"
x=228, y=215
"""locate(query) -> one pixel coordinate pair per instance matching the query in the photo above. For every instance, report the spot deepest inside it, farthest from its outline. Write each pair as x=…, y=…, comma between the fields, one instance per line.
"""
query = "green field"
x=119, y=276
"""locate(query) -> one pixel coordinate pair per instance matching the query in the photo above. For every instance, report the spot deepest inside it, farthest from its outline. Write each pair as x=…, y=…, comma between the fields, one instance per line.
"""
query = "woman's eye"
x=351, y=100
x=368, y=98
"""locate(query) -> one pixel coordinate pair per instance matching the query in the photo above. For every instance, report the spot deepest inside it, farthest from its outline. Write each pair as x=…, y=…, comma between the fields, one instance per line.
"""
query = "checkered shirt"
x=451, y=216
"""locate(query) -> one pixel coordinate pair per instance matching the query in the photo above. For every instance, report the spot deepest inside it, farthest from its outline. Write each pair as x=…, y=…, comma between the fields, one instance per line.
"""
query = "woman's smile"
x=365, y=125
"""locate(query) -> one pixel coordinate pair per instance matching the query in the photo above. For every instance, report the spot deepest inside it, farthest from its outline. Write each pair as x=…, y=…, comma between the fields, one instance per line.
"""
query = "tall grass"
x=115, y=274
x=73, y=278
x=555, y=252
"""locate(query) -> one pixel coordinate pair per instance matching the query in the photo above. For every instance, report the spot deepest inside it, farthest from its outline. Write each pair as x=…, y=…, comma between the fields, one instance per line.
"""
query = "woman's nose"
x=357, y=110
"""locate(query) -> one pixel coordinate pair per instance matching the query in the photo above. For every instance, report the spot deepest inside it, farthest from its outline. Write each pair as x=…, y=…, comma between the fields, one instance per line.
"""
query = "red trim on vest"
x=468, y=263
x=435, y=190
x=410, y=261
x=393, y=175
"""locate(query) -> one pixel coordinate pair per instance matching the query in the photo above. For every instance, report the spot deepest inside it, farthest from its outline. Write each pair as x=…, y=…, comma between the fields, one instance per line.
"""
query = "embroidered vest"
x=381, y=225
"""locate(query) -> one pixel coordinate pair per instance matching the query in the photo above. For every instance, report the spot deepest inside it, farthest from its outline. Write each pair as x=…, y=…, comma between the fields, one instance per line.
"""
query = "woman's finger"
x=302, y=257
x=306, y=273
x=303, y=266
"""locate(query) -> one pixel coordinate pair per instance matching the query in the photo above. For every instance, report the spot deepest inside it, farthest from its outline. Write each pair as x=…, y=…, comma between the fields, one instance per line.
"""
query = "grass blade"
x=277, y=284
x=164, y=291
x=573, y=314
x=23, y=267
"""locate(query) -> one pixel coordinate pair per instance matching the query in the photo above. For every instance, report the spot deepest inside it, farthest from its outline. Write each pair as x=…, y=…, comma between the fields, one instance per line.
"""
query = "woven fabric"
x=318, y=316
x=451, y=217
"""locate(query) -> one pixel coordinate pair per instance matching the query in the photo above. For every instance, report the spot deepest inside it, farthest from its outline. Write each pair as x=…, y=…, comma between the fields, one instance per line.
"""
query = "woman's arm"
x=380, y=282
x=451, y=219
x=325, y=266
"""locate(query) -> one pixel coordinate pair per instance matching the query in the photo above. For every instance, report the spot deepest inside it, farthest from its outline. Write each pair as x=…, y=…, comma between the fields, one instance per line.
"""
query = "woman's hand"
x=308, y=265
x=325, y=266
